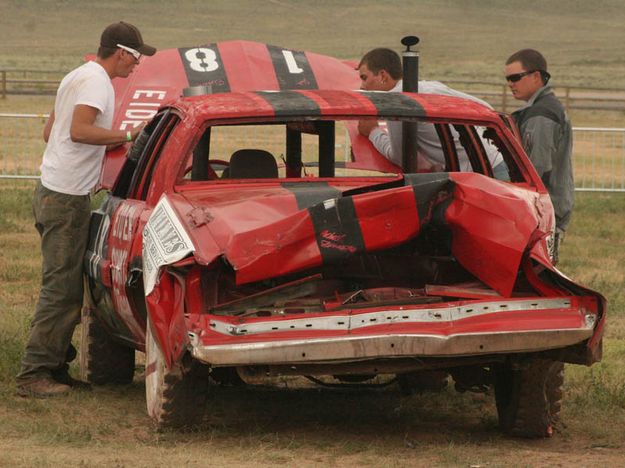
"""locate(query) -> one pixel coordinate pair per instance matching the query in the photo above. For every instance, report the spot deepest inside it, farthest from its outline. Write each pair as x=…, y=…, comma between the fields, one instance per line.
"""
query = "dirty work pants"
x=63, y=223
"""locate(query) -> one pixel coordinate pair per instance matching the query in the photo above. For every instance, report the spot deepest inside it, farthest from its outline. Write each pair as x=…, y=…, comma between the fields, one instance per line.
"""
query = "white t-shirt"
x=69, y=167
x=430, y=150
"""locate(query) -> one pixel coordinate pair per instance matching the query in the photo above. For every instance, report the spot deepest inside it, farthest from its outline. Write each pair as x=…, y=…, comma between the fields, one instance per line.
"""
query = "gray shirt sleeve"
x=539, y=140
x=388, y=145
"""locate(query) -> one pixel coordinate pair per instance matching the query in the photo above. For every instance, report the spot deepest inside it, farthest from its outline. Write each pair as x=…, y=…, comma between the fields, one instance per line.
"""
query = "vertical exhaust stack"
x=410, y=145
x=410, y=59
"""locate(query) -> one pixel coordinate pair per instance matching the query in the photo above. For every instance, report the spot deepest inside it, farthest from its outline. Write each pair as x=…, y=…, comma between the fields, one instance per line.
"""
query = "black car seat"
x=252, y=164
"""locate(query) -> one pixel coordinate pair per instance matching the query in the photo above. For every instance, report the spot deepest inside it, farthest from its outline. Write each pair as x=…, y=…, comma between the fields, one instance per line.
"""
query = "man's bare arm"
x=84, y=130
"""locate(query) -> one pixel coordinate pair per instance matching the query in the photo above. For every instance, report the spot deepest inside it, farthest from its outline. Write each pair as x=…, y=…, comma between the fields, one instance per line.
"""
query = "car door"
x=113, y=264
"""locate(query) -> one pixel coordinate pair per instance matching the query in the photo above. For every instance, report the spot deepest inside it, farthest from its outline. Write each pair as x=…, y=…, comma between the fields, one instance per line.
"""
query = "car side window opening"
x=476, y=148
x=472, y=145
x=200, y=168
x=158, y=134
x=128, y=172
x=136, y=158
x=491, y=135
x=449, y=148
x=159, y=142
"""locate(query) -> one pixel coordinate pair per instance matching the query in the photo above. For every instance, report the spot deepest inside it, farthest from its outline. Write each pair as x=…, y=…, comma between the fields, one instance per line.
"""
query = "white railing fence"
x=599, y=159
x=598, y=153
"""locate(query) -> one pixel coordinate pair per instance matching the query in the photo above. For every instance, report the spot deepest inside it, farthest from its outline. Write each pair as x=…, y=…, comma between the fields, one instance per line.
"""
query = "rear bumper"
x=513, y=326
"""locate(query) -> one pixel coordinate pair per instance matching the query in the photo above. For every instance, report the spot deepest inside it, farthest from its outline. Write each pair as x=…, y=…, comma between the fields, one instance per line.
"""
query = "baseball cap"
x=125, y=34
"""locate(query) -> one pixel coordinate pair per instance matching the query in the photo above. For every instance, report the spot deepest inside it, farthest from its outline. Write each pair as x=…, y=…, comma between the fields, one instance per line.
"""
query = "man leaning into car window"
x=381, y=70
x=545, y=131
x=77, y=133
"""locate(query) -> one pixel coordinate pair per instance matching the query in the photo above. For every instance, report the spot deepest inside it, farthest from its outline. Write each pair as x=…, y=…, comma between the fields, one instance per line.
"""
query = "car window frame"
x=149, y=157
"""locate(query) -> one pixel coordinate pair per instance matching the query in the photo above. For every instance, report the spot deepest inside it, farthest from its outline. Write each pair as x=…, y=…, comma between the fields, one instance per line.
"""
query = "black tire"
x=529, y=398
x=555, y=390
x=175, y=397
x=422, y=381
x=102, y=359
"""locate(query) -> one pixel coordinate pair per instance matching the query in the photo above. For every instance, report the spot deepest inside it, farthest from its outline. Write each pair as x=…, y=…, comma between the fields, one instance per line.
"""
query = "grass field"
x=309, y=426
x=461, y=39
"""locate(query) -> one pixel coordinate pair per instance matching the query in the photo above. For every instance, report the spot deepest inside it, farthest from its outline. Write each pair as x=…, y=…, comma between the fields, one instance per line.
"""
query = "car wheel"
x=528, y=399
x=176, y=396
x=102, y=359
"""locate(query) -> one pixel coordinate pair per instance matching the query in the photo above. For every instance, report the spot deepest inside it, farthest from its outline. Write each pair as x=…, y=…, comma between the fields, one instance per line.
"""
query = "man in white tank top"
x=77, y=134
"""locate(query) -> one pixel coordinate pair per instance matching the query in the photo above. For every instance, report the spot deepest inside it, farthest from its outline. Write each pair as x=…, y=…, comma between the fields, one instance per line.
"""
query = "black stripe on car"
x=290, y=103
x=395, y=104
x=204, y=67
x=433, y=194
x=292, y=68
x=308, y=194
x=337, y=229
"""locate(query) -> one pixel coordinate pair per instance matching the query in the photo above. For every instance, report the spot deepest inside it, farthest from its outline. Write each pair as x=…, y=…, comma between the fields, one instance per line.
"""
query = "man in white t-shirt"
x=381, y=70
x=77, y=134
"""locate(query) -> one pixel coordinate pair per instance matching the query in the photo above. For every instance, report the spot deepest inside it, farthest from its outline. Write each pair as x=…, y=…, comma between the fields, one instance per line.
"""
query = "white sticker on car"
x=165, y=241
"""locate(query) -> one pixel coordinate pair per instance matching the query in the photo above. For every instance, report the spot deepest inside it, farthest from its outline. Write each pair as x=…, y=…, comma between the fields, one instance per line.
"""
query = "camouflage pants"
x=63, y=224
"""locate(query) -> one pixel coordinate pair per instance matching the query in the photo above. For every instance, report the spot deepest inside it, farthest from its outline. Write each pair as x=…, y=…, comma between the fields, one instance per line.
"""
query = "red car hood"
x=270, y=229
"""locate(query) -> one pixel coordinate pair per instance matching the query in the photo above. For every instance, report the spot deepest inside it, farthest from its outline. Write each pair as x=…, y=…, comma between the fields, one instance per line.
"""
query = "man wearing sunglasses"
x=545, y=132
x=77, y=134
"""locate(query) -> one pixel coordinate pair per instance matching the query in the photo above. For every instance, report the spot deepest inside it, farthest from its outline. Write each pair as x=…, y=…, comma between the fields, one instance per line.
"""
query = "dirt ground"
x=265, y=426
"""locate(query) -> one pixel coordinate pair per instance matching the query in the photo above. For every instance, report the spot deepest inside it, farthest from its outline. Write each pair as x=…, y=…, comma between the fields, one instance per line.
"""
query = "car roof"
x=283, y=105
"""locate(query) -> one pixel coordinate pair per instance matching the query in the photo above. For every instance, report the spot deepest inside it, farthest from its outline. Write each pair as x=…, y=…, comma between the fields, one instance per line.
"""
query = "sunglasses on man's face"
x=517, y=76
x=135, y=53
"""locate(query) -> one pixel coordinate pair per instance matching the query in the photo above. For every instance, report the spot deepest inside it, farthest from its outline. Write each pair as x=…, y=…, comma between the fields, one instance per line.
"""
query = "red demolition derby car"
x=252, y=230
